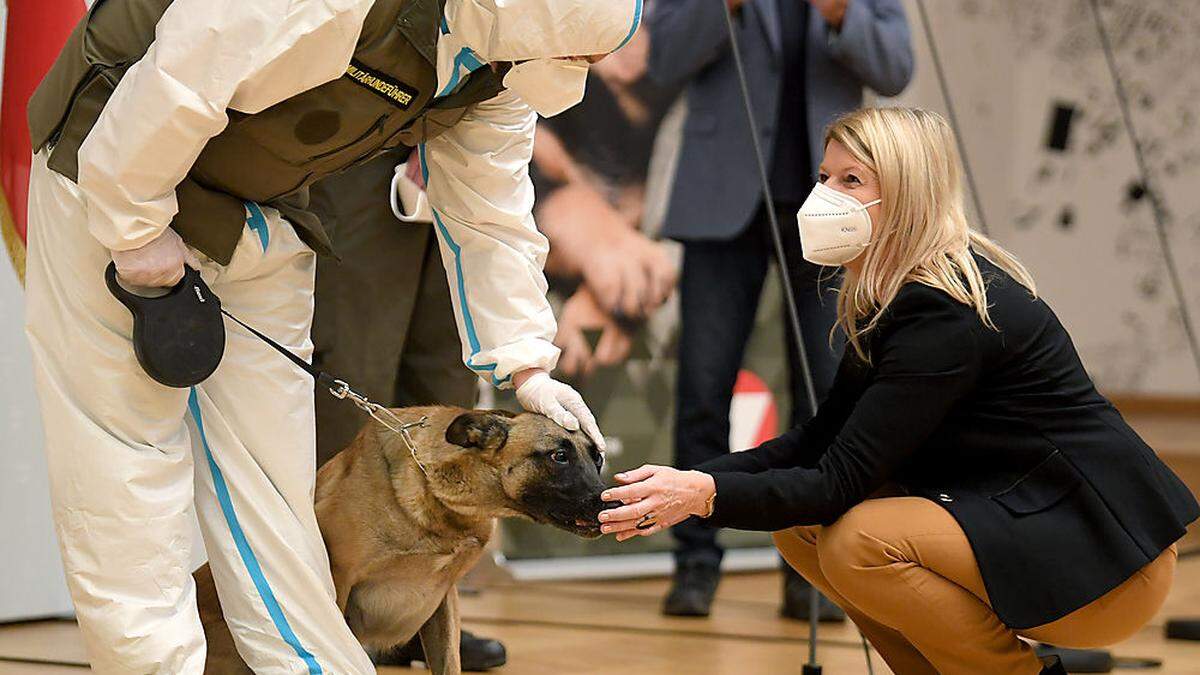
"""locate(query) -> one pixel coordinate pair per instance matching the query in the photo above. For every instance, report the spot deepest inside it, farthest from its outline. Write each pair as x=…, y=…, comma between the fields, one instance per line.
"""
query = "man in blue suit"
x=807, y=61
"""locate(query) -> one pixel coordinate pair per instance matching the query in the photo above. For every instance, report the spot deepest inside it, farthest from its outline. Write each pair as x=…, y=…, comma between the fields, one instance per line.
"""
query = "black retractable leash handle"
x=179, y=339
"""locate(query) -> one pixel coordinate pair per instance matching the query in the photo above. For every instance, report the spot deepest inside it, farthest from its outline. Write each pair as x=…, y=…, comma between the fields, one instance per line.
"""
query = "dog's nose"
x=597, y=504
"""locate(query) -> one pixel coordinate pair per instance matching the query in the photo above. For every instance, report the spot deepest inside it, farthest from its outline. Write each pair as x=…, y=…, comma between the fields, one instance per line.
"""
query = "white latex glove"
x=157, y=263
x=561, y=403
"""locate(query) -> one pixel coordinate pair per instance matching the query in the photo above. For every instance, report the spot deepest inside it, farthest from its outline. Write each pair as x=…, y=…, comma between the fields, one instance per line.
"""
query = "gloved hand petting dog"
x=540, y=393
x=403, y=525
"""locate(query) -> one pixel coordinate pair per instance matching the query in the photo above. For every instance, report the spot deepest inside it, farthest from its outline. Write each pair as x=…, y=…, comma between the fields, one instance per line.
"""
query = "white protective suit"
x=129, y=458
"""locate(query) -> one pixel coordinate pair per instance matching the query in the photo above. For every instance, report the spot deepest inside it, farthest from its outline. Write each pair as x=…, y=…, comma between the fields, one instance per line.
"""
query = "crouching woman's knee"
x=798, y=546
x=851, y=558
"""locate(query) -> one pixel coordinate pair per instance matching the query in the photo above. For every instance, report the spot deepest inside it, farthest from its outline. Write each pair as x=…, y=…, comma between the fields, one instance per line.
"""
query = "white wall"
x=31, y=579
x=1008, y=62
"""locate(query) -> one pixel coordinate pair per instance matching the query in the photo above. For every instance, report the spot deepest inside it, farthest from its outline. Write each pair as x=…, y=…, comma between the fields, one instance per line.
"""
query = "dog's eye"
x=560, y=456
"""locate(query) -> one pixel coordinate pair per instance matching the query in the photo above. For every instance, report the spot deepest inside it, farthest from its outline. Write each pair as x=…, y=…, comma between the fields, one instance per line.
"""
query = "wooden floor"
x=599, y=628
x=603, y=627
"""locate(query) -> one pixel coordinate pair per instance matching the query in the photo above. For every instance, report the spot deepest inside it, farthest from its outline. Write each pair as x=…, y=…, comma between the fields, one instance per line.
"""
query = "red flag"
x=37, y=30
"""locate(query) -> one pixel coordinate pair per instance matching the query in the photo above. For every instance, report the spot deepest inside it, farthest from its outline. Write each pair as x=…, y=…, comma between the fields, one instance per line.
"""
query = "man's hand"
x=627, y=273
x=539, y=393
x=631, y=277
x=158, y=263
x=833, y=11
x=579, y=313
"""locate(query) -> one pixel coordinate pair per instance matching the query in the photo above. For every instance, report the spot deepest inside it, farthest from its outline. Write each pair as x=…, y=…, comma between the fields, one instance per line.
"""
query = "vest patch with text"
x=389, y=88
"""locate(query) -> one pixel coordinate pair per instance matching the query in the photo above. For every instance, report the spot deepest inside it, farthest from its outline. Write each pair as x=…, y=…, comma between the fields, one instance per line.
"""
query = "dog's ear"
x=481, y=429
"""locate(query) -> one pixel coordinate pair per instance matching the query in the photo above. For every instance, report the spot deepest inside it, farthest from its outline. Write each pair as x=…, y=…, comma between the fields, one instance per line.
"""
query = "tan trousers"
x=903, y=570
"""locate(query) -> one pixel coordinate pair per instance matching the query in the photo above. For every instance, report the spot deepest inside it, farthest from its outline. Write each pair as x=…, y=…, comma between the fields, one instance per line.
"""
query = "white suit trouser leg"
x=130, y=458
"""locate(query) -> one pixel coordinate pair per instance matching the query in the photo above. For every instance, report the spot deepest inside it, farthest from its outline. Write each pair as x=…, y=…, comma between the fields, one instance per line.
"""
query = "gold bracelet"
x=710, y=504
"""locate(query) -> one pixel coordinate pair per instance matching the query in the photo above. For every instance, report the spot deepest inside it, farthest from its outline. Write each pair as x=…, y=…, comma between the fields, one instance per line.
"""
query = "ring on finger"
x=646, y=522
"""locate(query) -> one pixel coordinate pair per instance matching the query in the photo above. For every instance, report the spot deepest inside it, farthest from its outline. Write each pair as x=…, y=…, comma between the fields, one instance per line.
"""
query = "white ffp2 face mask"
x=834, y=227
x=549, y=86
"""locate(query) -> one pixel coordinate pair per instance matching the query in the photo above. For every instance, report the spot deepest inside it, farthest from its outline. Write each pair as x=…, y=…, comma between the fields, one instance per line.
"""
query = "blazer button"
x=943, y=497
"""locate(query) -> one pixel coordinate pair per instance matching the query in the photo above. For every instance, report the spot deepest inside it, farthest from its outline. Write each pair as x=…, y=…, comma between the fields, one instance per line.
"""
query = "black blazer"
x=1060, y=499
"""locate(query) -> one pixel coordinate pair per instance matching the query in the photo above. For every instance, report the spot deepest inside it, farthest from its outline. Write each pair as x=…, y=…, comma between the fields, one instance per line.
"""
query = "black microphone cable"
x=944, y=85
x=812, y=667
x=1156, y=204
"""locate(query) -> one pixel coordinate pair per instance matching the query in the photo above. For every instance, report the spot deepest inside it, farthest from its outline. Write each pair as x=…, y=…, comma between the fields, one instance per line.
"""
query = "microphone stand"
x=812, y=667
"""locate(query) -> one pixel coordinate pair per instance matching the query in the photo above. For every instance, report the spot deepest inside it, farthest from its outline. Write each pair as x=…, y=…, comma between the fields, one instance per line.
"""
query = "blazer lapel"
x=768, y=15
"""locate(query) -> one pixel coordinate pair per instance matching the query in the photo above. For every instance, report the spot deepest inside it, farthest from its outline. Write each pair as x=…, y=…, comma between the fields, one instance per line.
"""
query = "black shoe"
x=477, y=654
x=1078, y=660
x=796, y=594
x=692, y=589
x=1052, y=665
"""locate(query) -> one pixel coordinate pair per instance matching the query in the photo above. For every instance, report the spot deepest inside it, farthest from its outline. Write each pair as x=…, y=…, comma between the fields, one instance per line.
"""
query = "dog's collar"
x=401, y=428
x=384, y=416
x=408, y=441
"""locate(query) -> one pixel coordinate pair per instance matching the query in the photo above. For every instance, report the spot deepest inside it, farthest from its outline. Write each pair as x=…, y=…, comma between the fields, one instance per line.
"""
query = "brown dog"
x=403, y=527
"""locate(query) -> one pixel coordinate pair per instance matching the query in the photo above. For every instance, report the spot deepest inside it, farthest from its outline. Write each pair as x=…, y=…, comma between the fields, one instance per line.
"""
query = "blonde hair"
x=923, y=234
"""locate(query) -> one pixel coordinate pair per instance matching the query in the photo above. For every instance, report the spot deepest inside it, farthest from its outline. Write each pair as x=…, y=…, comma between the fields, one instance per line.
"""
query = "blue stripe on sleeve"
x=468, y=320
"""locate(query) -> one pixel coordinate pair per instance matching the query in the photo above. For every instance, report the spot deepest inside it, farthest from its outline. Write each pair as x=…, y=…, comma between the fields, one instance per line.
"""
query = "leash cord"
x=341, y=390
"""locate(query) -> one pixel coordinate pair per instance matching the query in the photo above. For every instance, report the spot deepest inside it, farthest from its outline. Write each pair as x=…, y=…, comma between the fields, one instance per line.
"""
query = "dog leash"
x=340, y=389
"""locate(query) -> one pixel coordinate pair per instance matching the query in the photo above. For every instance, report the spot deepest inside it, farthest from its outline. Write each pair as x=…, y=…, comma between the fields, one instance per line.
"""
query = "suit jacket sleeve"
x=801, y=446
x=685, y=36
x=875, y=44
x=927, y=360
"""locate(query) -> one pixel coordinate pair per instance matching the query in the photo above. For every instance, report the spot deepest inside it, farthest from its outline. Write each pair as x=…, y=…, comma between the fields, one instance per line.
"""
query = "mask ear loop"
x=398, y=208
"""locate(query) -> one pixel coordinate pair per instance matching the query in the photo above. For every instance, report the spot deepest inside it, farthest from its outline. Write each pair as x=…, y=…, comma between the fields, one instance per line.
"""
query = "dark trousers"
x=383, y=320
x=719, y=288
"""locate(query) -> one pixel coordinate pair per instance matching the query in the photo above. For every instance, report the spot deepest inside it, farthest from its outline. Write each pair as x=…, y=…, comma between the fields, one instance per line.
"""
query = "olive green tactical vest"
x=382, y=101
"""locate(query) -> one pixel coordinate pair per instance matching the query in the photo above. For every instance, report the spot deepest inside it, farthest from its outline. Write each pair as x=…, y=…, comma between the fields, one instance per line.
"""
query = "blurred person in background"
x=807, y=61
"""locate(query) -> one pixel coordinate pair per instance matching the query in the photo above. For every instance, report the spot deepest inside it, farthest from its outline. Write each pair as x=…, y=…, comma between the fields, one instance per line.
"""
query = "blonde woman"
x=1027, y=507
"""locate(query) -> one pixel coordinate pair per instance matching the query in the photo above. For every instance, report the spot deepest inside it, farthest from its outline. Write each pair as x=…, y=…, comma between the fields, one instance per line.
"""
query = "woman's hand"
x=655, y=498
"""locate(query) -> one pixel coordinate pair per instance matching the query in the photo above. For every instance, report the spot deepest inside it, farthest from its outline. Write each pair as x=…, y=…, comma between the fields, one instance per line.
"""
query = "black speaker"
x=1183, y=629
